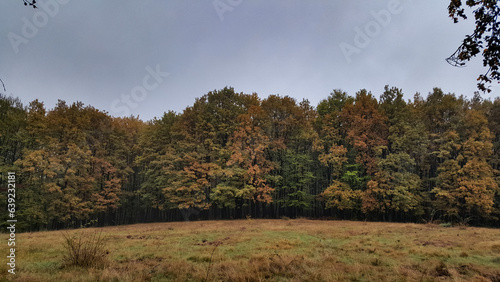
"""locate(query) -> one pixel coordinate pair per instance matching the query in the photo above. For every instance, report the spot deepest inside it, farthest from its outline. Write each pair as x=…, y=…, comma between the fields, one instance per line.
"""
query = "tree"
x=366, y=129
x=196, y=163
x=466, y=186
x=395, y=187
x=485, y=38
x=66, y=170
x=12, y=130
x=441, y=113
x=122, y=148
x=332, y=143
x=157, y=157
x=248, y=161
x=292, y=139
x=494, y=161
x=494, y=126
x=193, y=185
x=341, y=196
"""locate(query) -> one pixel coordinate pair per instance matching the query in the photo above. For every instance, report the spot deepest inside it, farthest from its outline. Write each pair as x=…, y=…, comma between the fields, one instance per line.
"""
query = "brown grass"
x=85, y=249
x=271, y=250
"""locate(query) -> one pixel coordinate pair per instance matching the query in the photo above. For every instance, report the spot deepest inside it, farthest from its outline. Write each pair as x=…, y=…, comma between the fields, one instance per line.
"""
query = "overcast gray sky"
x=147, y=57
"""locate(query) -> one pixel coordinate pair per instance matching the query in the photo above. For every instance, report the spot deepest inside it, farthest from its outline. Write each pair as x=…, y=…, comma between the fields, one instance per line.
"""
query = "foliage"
x=485, y=39
x=232, y=155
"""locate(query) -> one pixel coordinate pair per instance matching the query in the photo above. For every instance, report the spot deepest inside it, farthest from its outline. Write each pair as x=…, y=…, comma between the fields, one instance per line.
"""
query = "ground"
x=272, y=250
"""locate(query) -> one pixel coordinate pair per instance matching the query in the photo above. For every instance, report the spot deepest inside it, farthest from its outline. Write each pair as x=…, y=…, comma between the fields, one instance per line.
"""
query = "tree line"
x=234, y=155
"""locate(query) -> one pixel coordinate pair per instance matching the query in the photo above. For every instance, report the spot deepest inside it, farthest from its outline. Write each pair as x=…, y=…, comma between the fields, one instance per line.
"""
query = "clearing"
x=273, y=250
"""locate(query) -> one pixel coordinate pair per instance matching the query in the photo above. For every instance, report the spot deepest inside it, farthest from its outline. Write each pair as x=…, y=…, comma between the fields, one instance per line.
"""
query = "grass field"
x=273, y=250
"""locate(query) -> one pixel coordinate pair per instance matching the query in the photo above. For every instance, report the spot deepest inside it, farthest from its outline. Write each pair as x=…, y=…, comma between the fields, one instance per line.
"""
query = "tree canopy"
x=232, y=155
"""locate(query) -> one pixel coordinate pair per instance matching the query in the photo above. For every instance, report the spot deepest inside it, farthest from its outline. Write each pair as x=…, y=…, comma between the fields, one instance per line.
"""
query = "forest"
x=232, y=155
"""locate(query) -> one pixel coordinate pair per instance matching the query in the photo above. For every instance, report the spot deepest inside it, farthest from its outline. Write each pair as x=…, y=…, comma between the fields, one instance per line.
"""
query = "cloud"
x=96, y=51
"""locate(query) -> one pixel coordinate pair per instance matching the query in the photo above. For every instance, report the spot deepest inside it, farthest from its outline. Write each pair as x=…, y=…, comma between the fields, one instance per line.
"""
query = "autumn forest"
x=234, y=155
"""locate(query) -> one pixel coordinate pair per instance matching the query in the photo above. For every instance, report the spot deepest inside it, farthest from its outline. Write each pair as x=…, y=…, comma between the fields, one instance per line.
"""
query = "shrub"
x=85, y=249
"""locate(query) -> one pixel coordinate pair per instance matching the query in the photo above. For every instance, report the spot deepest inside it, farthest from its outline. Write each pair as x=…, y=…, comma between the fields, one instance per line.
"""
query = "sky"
x=144, y=58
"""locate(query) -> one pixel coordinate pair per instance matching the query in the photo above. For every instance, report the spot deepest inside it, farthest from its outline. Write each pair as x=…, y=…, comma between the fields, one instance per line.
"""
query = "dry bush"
x=85, y=249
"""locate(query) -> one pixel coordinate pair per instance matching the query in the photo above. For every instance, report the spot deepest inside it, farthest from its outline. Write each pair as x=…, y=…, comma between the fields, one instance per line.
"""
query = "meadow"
x=266, y=250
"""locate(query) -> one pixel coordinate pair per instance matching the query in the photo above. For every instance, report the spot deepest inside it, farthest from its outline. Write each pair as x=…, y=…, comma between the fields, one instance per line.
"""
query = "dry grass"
x=85, y=249
x=272, y=250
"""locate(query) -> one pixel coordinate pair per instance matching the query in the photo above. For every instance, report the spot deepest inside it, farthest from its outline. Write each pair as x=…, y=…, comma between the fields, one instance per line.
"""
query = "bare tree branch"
x=5, y=90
